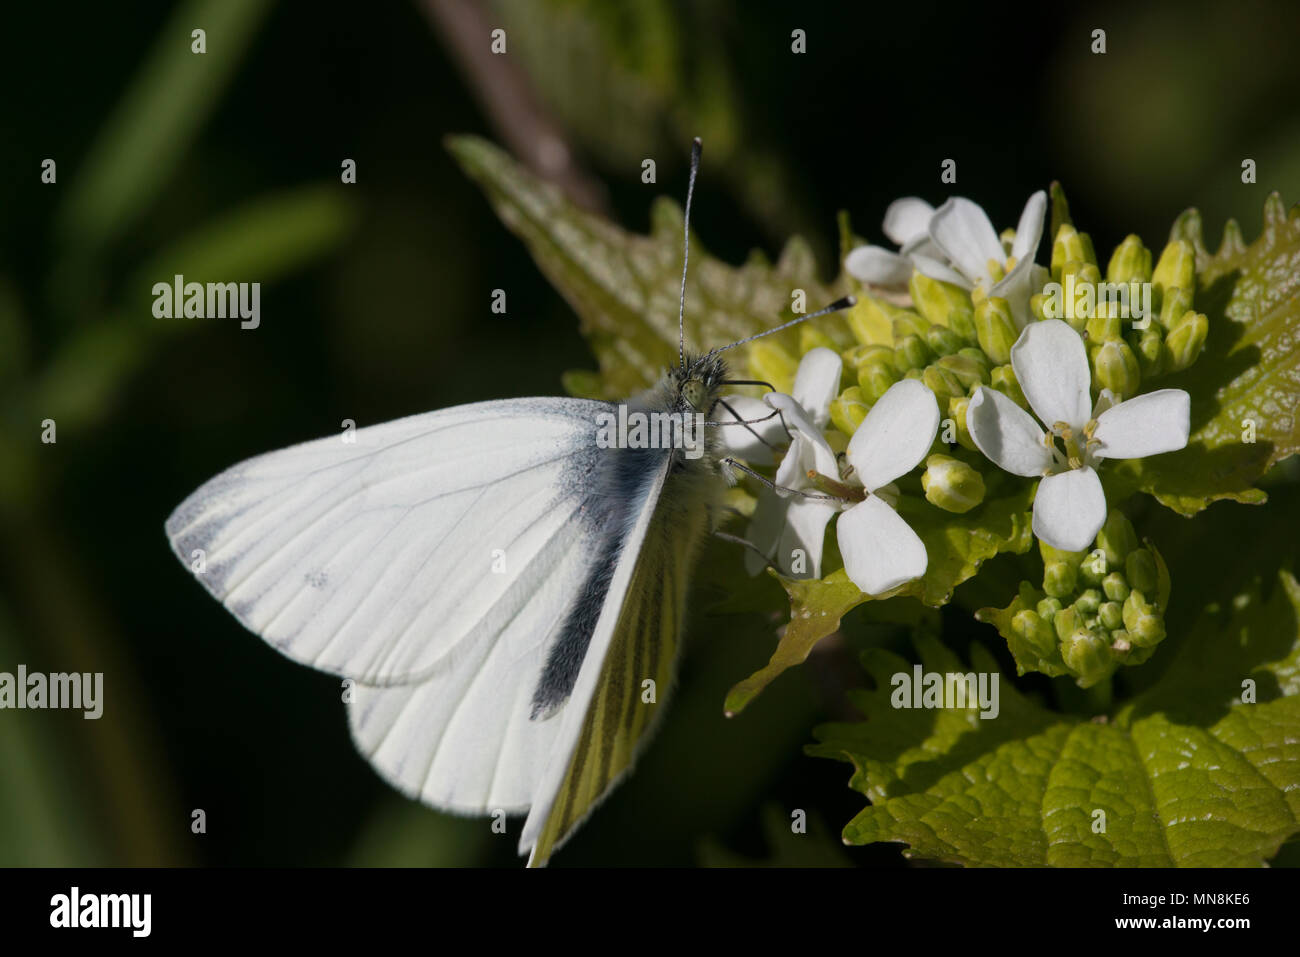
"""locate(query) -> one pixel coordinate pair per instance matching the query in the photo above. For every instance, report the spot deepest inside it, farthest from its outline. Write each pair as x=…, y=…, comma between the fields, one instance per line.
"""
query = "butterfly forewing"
x=383, y=557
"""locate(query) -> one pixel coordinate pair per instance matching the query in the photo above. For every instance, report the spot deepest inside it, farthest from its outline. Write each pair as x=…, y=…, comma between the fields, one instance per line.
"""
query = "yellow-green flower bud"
x=1117, y=538
x=966, y=370
x=1089, y=253
x=1177, y=267
x=1115, y=585
x=771, y=363
x=860, y=356
x=871, y=321
x=1084, y=273
x=814, y=336
x=1094, y=568
x=1037, y=306
x=1088, y=602
x=1059, y=580
x=1142, y=621
x=1035, y=632
x=1066, y=623
x=1140, y=570
x=1051, y=554
x=1048, y=607
x=1088, y=656
x=1111, y=615
x=976, y=354
x=875, y=378
x=942, y=340
x=912, y=353
x=942, y=383
x=962, y=321
x=874, y=367
x=1185, y=341
x=995, y=329
x=1116, y=368
x=1151, y=351
x=848, y=410
x=957, y=412
x=1069, y=245
x=951, y=484
x=1174, y=304
x=1130, y=262
x=1103, y=328
x=1081, y=288
x=909, y=324
x=1005, y=381
x=936, y=300
x=1120, y=642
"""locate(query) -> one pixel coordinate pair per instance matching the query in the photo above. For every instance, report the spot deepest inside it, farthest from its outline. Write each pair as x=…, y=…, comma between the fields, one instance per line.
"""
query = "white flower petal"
x=817, y=382
x=805, y=529
x=1051, y=366
x=796, y=419
x=880, y=549
x=907, y=219
x=1069, y=509
x=1029, y=231
x=765, y=529
x=895, y=435
x=1144, y=425
x=780, y=525
x=1007, y=434
x=805, y=454
x=878, y=267
x=922, y=246
x=935, y=269
x=1016, y=287
x=793, y=471
x=739, y=441
x=962, y=230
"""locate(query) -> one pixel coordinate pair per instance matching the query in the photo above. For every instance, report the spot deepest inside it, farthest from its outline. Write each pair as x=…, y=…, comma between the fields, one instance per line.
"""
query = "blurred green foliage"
x=226, y=166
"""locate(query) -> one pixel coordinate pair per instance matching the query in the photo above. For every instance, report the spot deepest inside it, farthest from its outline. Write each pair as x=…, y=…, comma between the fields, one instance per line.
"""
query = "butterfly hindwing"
x=629, y=683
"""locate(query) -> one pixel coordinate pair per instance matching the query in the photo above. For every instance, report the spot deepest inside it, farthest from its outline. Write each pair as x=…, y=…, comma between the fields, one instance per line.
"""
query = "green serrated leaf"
x=1248, y=373
x=625, y=287
x=956, y=545
x=1184, y=775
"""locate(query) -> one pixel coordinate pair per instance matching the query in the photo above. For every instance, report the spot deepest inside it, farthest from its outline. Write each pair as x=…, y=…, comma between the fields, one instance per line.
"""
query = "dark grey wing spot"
x=619, y=483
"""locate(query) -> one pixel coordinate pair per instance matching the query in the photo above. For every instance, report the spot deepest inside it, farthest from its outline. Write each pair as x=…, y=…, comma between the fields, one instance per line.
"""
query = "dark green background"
x=390, y=316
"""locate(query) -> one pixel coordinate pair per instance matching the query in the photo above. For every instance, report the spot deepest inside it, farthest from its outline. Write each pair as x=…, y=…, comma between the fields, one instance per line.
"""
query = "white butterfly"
x=499, y=587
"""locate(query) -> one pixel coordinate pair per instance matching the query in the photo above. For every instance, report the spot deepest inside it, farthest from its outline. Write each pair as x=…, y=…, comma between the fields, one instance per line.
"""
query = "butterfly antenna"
x=696, y=149
x=848, y=302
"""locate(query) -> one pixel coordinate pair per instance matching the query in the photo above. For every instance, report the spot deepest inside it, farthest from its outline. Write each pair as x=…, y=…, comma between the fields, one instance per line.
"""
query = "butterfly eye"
x=695, y=393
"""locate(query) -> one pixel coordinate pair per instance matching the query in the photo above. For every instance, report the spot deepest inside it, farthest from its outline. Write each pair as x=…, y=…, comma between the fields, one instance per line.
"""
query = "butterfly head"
x=698, y=383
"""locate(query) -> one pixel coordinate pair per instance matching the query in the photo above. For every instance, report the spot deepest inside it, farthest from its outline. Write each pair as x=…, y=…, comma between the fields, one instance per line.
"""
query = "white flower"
x=783, y=524
x=957, y=244
x=907, y=224
x=880, y=549
x=1051, y=365
x=965, y=237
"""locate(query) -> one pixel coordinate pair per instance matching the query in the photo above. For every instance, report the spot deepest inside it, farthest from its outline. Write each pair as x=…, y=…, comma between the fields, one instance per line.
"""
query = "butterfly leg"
x=750, y=428
x=745, y=543
x=730, y=463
